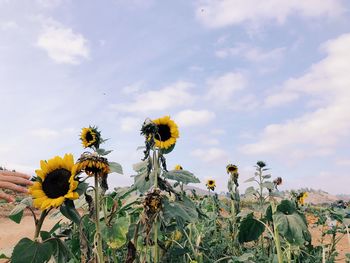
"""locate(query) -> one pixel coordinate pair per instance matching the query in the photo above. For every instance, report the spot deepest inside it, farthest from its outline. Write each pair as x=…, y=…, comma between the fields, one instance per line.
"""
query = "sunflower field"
x=160, y=219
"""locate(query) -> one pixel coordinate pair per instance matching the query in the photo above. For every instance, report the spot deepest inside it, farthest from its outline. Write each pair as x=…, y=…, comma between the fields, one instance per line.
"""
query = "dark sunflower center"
x=89, y=136
x=211, y=182
x=164, y=133
x=231, y=169
x=56, y=183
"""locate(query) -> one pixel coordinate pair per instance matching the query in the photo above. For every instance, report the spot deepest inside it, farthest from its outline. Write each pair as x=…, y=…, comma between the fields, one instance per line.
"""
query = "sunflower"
x=211, y=184
x=55, y=182
x=178, y=167
x=93, y=164
x=301, y=198
x=167, y=133
x=231, y=168
x=90, y=137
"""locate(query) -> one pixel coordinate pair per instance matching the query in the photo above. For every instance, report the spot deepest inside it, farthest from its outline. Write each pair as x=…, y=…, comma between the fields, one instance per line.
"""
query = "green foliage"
x=250, y=229
x=31, y=251
x=182, y=176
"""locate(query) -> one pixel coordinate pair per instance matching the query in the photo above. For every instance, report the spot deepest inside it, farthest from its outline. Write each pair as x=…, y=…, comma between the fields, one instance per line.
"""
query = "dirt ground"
x=11, y=233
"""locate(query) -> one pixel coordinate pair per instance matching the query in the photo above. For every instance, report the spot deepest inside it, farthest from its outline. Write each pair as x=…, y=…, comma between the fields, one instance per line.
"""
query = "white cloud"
x=215, y=14
x=62, y=44
x=50, y=4
x=325, y=127
x=172, y=96
x=132, y=88
x=194, y=117
x=47, y=134
x=128, y=124
x=222, y=88
x=343, y=161
x=8, y=25
x=251, y=53
x=211, y=154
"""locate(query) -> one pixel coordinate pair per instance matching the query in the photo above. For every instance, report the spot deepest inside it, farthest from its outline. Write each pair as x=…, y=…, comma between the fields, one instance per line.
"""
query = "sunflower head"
x=277, y=181
x=166, y=134
x=178, y=167
x=211, y=184
x=90, y=137
x=153, y=202
x=92, y=165
x=301, y=198
x=55, y=182
x=231, y=168
x=261, y=164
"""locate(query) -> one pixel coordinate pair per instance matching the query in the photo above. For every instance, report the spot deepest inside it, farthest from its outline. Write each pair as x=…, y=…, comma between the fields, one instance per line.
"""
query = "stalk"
x=97, y=219
x=155, y=225
x=39, y=223
x=277, y=237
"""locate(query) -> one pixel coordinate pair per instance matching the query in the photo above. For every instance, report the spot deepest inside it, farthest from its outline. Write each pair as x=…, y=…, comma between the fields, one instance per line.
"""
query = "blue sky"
x=245, y=81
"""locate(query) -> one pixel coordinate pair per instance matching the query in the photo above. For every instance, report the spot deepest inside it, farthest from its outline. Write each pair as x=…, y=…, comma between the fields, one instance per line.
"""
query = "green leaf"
x=115, y=167
x=44, y=235
x=3, y=256
x=250, y=229
x=17, y=213
x=250, y=191
x=140, y=182
x=61, y=251
x=251, y=179
x=82, y=188
x=140, y=167
x=30, y=251
x=269, y=185
x=182, y=211
x=267, y=176
x=116, y=234
x=292, y=227
x=103, y=152
x=69, y=211
x=182, y=176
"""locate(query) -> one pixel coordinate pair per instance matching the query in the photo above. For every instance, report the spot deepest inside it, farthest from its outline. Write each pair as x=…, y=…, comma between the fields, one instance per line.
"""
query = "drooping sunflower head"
x=277, y=181
x=90, y=137
x=231, y=168
x=55, y=182
x=92, y=164
x=211, y=184
x=178, y=167
x=167, y=133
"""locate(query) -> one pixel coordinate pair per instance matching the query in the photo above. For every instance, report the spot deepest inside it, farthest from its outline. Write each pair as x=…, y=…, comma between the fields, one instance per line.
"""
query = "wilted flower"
x=92, y=164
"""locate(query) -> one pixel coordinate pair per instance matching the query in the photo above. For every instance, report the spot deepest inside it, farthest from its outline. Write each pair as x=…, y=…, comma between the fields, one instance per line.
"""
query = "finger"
x=13, y=187
x=16, y=174
x=6, y=197
x=15, y=180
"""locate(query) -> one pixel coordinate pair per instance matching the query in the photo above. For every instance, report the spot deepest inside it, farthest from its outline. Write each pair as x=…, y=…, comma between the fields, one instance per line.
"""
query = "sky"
x=245, y=80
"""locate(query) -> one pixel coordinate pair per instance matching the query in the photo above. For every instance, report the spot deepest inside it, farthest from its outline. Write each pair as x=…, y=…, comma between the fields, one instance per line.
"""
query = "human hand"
x=13, y=181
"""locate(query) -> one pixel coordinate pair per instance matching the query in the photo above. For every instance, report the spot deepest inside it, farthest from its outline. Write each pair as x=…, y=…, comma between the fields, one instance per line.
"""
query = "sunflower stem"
x=97, y=219
x=155, y=225
x=39, y=223
x=276, y=235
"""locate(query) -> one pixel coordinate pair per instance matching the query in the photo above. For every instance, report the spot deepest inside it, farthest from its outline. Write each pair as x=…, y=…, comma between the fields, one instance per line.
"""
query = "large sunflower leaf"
x=116, y=234
x=182, y=176
x=30, y=251
x=181, y=210
x=292, y=227
x=250, y=229
x=115, y=167
x=140, y=182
